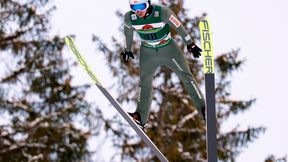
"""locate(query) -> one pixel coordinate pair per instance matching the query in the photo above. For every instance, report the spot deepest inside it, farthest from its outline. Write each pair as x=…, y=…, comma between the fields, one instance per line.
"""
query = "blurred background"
x=50, y=111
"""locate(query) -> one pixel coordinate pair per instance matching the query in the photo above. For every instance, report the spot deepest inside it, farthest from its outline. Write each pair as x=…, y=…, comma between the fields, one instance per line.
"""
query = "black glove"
x=125, y=55
x=195, y=50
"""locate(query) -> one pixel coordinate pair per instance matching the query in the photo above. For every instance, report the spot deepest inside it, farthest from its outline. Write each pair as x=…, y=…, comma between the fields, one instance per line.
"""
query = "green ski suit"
x=158, y=48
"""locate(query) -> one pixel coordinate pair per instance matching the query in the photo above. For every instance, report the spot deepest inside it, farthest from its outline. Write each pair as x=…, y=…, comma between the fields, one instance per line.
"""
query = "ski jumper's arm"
x=128, y=32
x=173, y=21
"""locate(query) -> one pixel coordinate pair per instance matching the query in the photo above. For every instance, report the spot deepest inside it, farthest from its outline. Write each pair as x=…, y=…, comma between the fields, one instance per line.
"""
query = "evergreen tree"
x=45, y=118
x=173, y=124
x=272, y=158
x=39, y=107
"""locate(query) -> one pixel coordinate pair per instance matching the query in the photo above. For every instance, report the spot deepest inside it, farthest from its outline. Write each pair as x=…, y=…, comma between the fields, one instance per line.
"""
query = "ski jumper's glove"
x=194, y=49
x=125, y=55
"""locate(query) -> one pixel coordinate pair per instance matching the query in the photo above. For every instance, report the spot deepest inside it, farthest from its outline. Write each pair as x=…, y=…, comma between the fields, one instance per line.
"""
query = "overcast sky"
x=258, y=28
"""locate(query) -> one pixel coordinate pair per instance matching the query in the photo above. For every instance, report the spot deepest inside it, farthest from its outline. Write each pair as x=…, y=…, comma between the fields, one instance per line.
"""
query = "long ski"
x=70, y=42
x=206, y=41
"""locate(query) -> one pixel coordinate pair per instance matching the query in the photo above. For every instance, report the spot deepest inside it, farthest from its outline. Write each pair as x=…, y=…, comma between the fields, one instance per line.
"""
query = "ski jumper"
x=159, y=49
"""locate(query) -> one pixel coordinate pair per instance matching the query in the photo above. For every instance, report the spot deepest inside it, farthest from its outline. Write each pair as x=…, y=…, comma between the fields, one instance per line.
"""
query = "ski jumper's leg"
x=176, y=62
x=148, y=66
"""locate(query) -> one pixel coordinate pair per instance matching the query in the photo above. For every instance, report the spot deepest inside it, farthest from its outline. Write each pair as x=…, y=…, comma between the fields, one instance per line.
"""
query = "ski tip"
x=68, y=39
x=206, y=41
x=70, y=43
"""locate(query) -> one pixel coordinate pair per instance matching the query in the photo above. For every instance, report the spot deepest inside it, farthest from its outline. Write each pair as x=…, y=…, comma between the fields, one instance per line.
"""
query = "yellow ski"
x=70, y=42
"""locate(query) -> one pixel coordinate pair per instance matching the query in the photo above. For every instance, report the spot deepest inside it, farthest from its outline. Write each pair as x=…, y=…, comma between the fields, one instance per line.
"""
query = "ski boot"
x=137, y=118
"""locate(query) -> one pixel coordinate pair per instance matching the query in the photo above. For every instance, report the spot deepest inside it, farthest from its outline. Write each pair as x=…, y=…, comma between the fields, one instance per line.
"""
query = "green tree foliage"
x=272, y=158
x=39, y=108
x=173, y=124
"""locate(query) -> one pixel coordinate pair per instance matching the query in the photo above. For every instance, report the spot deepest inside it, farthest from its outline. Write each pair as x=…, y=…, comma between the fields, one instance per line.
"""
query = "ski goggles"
x=139, y=7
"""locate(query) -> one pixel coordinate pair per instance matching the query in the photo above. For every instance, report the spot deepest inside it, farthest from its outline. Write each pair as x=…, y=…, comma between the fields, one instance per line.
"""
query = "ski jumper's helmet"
x=139, y=5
